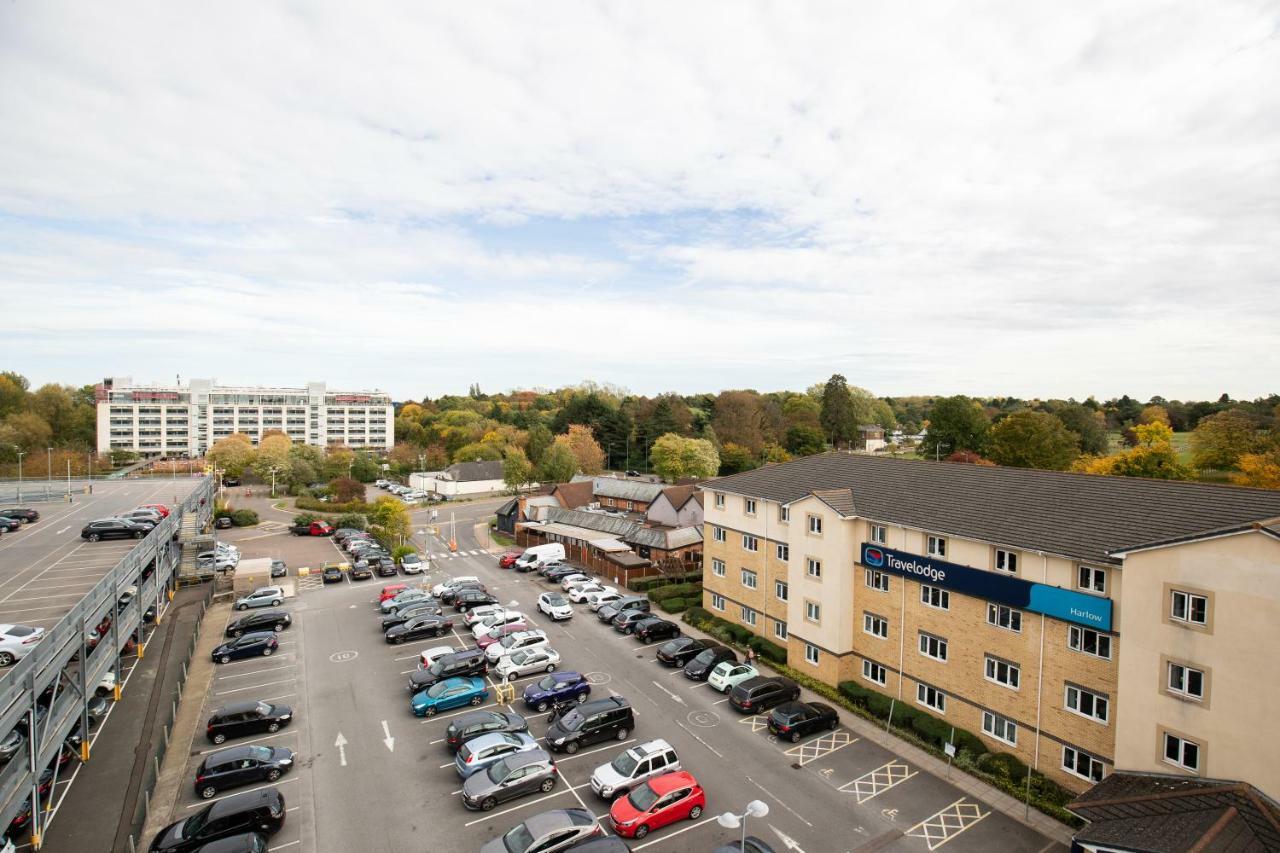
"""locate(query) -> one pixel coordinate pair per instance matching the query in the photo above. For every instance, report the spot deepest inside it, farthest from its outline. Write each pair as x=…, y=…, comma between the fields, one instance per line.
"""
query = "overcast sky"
x=1037, y=199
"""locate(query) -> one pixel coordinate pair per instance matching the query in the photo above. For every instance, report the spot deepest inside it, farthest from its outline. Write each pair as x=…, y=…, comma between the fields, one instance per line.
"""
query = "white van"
x=539, y=555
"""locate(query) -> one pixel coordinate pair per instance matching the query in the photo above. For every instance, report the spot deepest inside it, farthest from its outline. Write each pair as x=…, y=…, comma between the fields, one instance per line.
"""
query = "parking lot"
x=370, y=775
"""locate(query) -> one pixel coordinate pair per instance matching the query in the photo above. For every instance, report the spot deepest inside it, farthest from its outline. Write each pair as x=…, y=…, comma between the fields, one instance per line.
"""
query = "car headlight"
x=286, y=761
x=286, y=717
x=558, y=741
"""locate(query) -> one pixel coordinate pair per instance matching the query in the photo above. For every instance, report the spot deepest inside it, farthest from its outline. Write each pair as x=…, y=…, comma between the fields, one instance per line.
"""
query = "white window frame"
x=717, y=601
x=1178, y=681
x=815, y=525
x=783, y=552
x=870, y=622
x=994, y=668
x=1188, y=600
x=748, y=615
x=1091, y=579
x=717, y=567
x=874, y=578
x=932, y=646
x=780, y=629
x=750, y=579
x=995, y=611
x=813, y=612
x=925, y=692
x=879, y=534
x=1071, y=758
x=749, y=506
x=750, y=543
x=813, y=568
x=1006, y=561
x=935, y=597
x=1181, y=745
x=1000, y=728
x=1078, y=638
x=781, y=590
x=936, y=546
x=784, y=514
x=719, y=500
x=1083, y=693
x=811, y=655
x=718, y=534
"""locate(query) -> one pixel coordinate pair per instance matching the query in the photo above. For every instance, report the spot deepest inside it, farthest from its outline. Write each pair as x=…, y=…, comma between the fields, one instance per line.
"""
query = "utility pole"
x=21, y=453
x=68, y=478
x=273, y=480
x=49, y=482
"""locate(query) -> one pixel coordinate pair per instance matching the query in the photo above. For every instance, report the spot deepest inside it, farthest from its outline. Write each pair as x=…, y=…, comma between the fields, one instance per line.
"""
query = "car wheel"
x=275, y=602
x=398, y=640
x=476, y=700
x=641, y=831
x=93, y=537
x=266, y=653
x=430, y=711
x=219, y=738
x=6, y=658
x=646, y=639
x=695, y=812
x=547, y=785
x=279, y=626
x=622, y=734
x=237, y=633
x=273, y=775
x=208, y=792
x=225, y=659
x=571, y=747
x=487, y=804
x=795, y=737
x=542, y=706
x=273, y=727
x=835, y=724
x=242, y=607
x=582, y=697
x=138, y=534
x=550, y=668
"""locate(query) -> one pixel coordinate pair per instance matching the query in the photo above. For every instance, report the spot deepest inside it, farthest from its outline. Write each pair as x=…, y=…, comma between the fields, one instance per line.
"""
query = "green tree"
x=273, y=452
x=539, y=440
x=1089, y=425
x=389, y=521
x=1219, y=441
x=558, y=464
x=516, y=468
x=1152, y=457
x=674, y=457
x=338, y=462
x=735, y=458
x=584, y=447
x=613, y=431
x=805, y=440
x=366, y=468
x=479, y=451
x=738, y=417
x=13, y=393
x=838, y=417
x=55, y=405
x=233, y=454
x=27, y=430
x=1032, y=440
x=956, y=423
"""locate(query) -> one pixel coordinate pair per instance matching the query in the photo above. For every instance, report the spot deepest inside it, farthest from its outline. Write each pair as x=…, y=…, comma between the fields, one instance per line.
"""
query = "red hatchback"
x=508, y=559
x=662, y=800
x=391, y=590
x=160, y=508
x=496, y=634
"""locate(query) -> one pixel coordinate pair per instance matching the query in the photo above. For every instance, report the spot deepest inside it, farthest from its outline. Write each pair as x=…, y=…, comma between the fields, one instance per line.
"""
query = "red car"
x=508, y=559
x=391, y=590
x=484, y=641
x=160, y=508
x=662, y=800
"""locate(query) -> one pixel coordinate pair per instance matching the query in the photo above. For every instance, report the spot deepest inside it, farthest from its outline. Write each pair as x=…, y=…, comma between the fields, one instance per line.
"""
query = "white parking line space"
x=947, y=823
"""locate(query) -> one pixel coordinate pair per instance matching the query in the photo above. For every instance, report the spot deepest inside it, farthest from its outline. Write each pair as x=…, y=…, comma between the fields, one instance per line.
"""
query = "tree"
x=775, y=453
x=232, y=454
x=516, y=468
x=338, y=462
x=1153, y=457
x=1032, y=440
x=968, y=457
x=735, y=458
x=27, y=430
x=389, y=520
x=478, y=451
x=558, y=464
x=585, y=448
x=802, y=410
x=805, y=440
x=366, y=468
x=1154, y=415
x=1219, y=441
x=13, y=393
x=837, y=416
x=55, y=404
x=675, y=457
x=1258, y=470
x=273, y=452
x=613, y=431
x=539, y=440
x=346, y=490
x=738, y=418
x=1089, y=425
x=956, y=423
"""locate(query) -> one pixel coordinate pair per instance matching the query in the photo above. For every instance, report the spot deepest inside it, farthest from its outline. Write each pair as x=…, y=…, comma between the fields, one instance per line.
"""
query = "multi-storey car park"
x=176, y=420
x=1082, y=623
x=52, y=579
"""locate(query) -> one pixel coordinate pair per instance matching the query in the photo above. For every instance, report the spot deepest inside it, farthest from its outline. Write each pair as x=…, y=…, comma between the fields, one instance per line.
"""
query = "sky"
x=988, y=198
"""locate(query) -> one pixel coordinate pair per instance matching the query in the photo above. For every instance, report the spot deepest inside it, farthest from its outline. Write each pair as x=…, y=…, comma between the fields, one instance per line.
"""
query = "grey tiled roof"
x=627, y=490
x=1077, y=515
x=628, y=531
x=467, y=472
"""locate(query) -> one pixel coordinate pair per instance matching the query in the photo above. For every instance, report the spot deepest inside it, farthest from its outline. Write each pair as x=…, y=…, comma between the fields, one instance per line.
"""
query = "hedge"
x=674, y=604
x=676, y=590
x=646, y=584
x=330, y=507
x=766, y=649
x=244, y=517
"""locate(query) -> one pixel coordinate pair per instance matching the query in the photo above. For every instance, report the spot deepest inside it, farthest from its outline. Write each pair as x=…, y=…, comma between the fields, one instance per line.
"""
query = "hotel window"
x=719, y=500
x=1003, y=672
x=717, y=601
x=780, y=630
x=874, y=672
x=1086, y=703
x=780, y=590
x=750, y=505
x=1089, y=641
x=1082, y=764
x=879, y=534
x=750, y=543
x=815, y=525
x=877, y=580
x=1181, y=752
x=1006, y=561
x=931, y=697
x=933, y=647
x=1092, y=579
x=932, y=596
x=1000, y=728
x=937, y=546
x=748, y=579
x=811, y=654
x=748, y=616
x=784, y=552
x=1189, y=608
x=784, y=514
x=717, y=568
x=876, y=626
x=1186, y=681
x=815, y=568
x=717, y=533
x=1004, y=617
x=813, y=611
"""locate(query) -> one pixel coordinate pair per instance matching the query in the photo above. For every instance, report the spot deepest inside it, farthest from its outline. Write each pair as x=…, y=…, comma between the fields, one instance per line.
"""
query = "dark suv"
x=762, y=693
x=114, y=528
x=247, y=718
x=625, y=622
x=241, y=765
x=681, y=650
x=699, y=668
x=591, y=722
x=262, y=620
x=653, y=628
x=634, y=602
x=253, y=811
x=26, y=516
x=465, y=663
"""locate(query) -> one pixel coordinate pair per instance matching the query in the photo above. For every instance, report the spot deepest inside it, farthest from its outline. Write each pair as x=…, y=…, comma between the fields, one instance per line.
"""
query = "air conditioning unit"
x=593, y=505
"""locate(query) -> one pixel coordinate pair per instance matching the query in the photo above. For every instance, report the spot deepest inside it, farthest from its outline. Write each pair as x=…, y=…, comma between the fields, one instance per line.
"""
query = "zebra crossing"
x=449, y=555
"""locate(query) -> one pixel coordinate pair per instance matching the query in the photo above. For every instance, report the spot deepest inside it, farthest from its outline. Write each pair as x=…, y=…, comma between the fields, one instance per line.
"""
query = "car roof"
x=545, y=822
x=231, y=753
x=524, y=759
x=492, y=738
x=669, y=782
x=237, y=707
x=247, y=800
x=643, y=750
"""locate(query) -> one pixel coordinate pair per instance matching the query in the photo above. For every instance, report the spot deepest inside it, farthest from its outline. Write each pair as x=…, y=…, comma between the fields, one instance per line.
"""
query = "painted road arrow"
x=341, y=744
x=387, y=739
x=791, y=843
x=669, y=693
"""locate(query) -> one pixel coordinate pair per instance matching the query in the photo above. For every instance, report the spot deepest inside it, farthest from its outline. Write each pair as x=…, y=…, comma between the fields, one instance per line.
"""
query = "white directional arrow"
x=669, y=693
x=341, y=744
x=387, y=739
x=790, y=842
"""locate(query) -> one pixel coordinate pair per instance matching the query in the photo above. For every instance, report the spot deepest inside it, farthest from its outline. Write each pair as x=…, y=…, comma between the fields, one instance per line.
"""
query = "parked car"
x=762, y=693
x=391, y=590
x=626, y=621
x=554, y=605
x=750, y=844
x=361, y=571
x=699, y=669
x=656, y=803
x=527, y=662
x=439, y=588
x=279, y=569
x=681, y=650
x=498, y=633
x=241, y=765
x=412, y=611
x=635, y=765
x=468, y=598
x=223, y=522
x=475, y=755
x=265, y=596
x=510, y=777
x=448, y=694
x=263, y=620
x=8, y=525
x=412, y=564
x=17, y=641
x=581, y=593
x=591, y=722
x=113, y=528
x=476, y=614
x=477, y=723
x=24, y=515
x=419, y=628
x=253, y=644
x=253, y=811
x=314, y=528
x=559, y=573
x=794, y=720
x=653, y=628
x=514, y=643
x=143, y=516
x=555, y=688
x=548, y=832
x=509, y=557
x=729, y=674
x=610, y=611
x=450, y=595
x=598, y=600
x=462, y=663
x=403, y=599
x=385, y=566
x=332, y=574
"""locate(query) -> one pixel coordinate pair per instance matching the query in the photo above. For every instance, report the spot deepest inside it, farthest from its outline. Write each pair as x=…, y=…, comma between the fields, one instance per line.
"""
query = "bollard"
x=166, y=737
x=84, y=750
x=116, y=689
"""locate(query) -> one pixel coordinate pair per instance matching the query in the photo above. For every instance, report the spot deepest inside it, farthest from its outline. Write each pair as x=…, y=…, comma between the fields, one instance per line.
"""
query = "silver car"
x=475, y=755
x=16, y=642
x=267, y=596
x=548, y=832
x=634, y=766
x=508, y=778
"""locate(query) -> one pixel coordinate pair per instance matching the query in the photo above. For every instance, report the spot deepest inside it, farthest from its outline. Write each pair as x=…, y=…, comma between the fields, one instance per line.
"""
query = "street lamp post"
x=273, y=480
x=49, y=481
x=21, y=453
x=729, y=820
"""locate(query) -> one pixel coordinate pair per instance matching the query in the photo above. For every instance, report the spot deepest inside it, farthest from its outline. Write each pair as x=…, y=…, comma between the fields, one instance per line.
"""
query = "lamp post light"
x=273, y=480
x=21, y=453
x=729, y=820
x=49, y=481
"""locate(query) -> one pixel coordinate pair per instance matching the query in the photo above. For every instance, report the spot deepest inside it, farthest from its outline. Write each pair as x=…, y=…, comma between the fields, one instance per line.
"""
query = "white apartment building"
x=173, y=420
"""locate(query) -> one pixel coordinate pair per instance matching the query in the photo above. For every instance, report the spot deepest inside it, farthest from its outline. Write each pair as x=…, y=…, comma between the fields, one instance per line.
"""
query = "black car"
x=470, y=598
x=384, y=566
x=247, y=718
x=424, y=608
x=8, y=525
x=477, y=723
x=361, y=571
x=261, y=620
x=278, y=569
x=633, y=602
x=332, y=574
x=114, y=528
x=794, y=720
x=681, y=650
x=15, y=740
x=626, y=621
x=591, y=722
x=752, y=844
x=461, y=664
x=708, y=659
x=653, y=628
x=253, y=811
x=450, y=595
x=241, y=765
x=223, y=522
x=559, y=573
x=24, y=515
x=230, y=481
x=419, y=627
x=249, y=842
x=253, y=644
x=762, y=693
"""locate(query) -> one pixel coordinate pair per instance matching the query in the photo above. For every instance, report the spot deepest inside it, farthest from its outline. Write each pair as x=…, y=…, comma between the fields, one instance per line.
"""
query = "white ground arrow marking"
x=341, y=744
x=790, y=842
x=669, y=693
x=387, y=738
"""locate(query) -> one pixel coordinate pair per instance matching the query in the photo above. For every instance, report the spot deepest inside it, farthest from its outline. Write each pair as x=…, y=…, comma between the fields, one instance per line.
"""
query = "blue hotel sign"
x=1065, y=604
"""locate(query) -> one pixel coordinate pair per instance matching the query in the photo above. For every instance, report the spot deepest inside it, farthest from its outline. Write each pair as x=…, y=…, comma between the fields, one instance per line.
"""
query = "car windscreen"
x=555, y=600
x=706, y=656
x=643, y=797
x=262, y=753
x=518, y=840
x=20, y=631
x=625, y=763
x=263, y=709
x=498, y=771
x=547, y=683
x=436, y=690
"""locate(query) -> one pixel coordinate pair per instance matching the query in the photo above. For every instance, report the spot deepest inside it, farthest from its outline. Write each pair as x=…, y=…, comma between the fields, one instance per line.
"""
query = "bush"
x=244, y=518
x=331, y=507
x=697, y=616
x=1004, y=766
x=768, y=650
x=305, y=518
x=353, y=520
x=673, y=605
x=931, y=729
x=970, y=742
x=676, y=590
x=400, y=551
x=646, y=584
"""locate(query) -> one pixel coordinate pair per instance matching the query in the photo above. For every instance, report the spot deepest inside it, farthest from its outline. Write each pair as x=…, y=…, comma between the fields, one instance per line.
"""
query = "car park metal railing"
x=45, y=667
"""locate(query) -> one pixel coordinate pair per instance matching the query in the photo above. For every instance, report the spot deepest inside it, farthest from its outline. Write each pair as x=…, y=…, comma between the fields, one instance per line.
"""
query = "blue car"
x=475, y=755
x=450, y=693
x=555, y=688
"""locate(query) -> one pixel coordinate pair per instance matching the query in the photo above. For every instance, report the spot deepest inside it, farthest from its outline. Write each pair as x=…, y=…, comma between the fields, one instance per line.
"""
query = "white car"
x=634, y=767
x=526, y=662
x=596, y=600
x=497, y=620
x=582, y=592
x=17, y=641
x=554, y=605
x=381, y=484
x=433, y=654
x=477, y=614
x=438, y=589
x=513, y=643
x=107, y=685
x=565, y=583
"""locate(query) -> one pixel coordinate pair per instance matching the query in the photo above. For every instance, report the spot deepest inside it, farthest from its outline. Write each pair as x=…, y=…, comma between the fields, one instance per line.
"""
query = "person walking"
x=751, y=656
